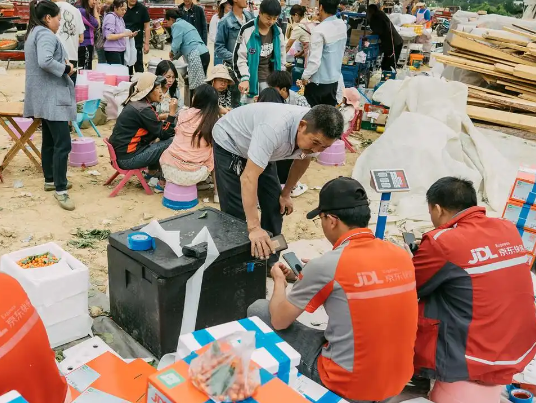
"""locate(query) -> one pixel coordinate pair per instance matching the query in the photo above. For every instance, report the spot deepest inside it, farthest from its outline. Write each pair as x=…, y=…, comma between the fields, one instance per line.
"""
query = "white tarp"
x=430, y=136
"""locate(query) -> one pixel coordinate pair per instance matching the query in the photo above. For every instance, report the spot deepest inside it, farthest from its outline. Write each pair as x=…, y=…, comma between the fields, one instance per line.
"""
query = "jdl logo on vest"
x=367, y=278
x=481, y=255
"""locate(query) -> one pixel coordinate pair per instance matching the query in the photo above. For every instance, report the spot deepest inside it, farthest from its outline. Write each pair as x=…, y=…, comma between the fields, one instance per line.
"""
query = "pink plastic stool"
x=179, y=197
x=334, y=155
x=84, y=152
x=127, y=173
x=110, y=79
x=122, y=78
x=23, y=123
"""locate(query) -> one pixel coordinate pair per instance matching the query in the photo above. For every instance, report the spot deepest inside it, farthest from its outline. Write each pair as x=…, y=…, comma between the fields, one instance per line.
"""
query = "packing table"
x=8, y=111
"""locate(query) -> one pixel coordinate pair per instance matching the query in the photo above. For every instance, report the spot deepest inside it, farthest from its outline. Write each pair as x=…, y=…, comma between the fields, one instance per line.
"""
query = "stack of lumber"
x=506, y=59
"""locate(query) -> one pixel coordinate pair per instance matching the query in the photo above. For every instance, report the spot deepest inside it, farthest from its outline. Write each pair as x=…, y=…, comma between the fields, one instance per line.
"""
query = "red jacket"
x=476, y=309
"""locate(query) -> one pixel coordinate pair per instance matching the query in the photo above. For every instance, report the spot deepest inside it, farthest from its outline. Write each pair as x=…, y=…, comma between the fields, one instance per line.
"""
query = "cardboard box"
x=314, y=392
x=355, y=36
x=110, y=375
x=12, y=397
x=172, y=385
x=272, y=353
x=522, y=215
x=524, y=188
x=529, y=241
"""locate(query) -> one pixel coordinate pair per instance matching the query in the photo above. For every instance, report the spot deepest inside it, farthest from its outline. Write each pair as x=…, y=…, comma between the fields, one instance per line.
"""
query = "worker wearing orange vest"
x=27, y=363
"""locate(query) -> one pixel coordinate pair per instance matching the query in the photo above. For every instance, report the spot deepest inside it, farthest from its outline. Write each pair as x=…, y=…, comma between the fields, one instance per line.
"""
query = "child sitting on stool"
x=190, y=159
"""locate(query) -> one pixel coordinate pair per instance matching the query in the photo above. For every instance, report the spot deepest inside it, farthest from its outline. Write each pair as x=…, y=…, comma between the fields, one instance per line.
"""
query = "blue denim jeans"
x=149, y=157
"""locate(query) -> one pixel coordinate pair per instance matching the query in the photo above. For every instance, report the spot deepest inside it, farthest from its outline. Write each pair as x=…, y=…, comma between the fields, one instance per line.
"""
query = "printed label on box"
x=81, y=378
x=309, y=388
x=94, y=395
x=154, y=396
x=170, y=378
x=521, y=190
x=529, y=241
x=513, y=211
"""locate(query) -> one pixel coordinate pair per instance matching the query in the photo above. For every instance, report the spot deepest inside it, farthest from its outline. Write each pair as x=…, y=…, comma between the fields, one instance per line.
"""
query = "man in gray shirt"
x=247, y=142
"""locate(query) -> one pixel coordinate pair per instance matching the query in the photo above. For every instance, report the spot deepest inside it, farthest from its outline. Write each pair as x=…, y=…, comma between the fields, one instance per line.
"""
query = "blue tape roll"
x=140, y=241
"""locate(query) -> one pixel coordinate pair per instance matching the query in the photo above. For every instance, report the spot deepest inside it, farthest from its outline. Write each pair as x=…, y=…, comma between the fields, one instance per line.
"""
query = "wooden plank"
x=487, y=90
x=527, y=97
x=518, y=87
x=526, y=72
x=508, y=102
x=532, y=37
x=503, y=68
x=524, y=28
x=478, y=58
x=509, y=46
x=495, y=36
x=477, y=47
x=502, y=118
x=461, y=60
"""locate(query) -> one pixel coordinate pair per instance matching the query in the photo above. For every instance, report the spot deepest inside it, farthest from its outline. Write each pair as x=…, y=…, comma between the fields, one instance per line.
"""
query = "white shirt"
x=213, y=28
x=71, y=27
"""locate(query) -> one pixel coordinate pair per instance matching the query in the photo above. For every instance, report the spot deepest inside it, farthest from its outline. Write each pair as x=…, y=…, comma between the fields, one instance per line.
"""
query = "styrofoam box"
x=12, y=397
x=83, y=353
x=69, y=330
x=47, y=285
x=60, y=311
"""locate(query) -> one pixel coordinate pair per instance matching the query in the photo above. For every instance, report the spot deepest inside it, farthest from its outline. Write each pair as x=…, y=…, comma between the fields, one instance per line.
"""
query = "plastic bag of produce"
x=225, y=371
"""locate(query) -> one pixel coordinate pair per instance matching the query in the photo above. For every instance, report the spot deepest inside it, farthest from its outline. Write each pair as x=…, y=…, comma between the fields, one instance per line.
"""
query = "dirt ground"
x=29, y=216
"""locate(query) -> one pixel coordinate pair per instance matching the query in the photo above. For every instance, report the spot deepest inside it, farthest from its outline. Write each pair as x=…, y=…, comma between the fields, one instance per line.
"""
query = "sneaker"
x=299, y=189
x=158, y=189
x=50, y=188
x=64, y=201
x=153, y=182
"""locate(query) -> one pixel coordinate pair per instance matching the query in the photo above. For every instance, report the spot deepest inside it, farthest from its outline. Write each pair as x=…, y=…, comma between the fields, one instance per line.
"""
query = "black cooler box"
x=147, y=289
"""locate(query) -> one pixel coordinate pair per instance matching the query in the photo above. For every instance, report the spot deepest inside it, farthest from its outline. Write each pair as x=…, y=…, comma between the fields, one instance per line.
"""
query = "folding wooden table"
x=8, y=111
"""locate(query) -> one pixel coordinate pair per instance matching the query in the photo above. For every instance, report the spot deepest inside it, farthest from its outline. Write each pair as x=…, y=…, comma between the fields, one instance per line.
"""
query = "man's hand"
x=302, y=82
x=244, y=87
x=261, y=246
x=68, y=63
x=287, y=206
x=146, y=47
x=279, y=272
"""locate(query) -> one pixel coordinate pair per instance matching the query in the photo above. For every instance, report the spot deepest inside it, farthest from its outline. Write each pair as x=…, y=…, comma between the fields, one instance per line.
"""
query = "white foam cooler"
x=59, y=292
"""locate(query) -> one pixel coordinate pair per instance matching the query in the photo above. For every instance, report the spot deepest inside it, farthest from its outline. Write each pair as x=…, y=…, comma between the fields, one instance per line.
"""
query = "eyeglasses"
x=316, y=220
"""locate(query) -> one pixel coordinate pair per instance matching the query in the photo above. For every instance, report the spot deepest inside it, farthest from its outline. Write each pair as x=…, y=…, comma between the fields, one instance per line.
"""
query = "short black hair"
x=280, y=79
x=326, y=119
x=270, y=95
x=355, y=217
x=330, y=6
x=270, y=7
x=452, y=194
x=297, y=9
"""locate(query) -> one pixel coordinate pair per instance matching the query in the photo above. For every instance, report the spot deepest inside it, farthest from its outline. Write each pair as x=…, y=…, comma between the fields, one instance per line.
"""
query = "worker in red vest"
x=477, y=324
x=27, y=363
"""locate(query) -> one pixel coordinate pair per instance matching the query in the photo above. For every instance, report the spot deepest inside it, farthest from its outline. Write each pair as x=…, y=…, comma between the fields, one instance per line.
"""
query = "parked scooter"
x=443, y=27
x=159, y=35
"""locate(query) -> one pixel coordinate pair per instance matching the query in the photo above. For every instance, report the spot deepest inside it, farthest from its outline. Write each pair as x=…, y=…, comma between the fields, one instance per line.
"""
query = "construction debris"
x=506, y=60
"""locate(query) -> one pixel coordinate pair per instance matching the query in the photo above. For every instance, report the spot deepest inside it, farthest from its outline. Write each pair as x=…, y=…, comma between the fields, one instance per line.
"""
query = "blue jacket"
x=185, y=38
x=228, y=29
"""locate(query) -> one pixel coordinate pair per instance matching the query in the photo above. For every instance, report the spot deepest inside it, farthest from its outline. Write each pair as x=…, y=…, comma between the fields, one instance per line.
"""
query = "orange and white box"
x=524, y=185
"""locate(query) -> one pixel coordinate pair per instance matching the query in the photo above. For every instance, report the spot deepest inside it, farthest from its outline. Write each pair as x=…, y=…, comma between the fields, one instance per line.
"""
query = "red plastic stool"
x=127, y=173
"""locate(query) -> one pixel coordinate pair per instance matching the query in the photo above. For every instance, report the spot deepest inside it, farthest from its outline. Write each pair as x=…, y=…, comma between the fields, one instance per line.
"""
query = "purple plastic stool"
x=334, y=155
x=179, y=197
x=24, y=124
x=84, y=152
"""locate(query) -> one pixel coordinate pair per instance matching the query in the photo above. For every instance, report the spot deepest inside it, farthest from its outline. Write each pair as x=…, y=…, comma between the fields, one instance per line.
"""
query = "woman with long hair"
x=139, y=138
x=170, y=89
x=190, y=159
x=49, y=95
x=391, y=41
x=115, y=34
x=223, y=8
x=91, y=17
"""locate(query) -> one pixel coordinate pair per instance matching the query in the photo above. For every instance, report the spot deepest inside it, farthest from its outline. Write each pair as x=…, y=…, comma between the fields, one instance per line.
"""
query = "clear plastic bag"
x=225, y=371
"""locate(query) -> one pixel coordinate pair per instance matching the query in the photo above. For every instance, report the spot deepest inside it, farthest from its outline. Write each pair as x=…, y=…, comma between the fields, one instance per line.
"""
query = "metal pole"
x=382, y=215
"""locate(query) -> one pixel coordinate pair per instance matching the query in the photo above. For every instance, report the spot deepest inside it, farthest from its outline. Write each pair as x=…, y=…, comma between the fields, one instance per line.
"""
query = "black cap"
x=338, y=194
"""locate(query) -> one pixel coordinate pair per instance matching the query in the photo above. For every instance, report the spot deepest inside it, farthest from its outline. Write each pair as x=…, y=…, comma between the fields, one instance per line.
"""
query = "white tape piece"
x=170, y=238
x=193, y=285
